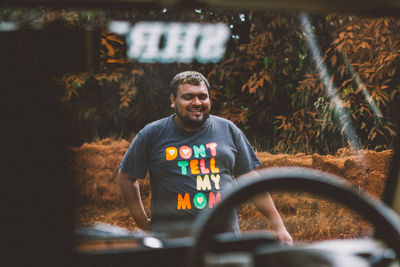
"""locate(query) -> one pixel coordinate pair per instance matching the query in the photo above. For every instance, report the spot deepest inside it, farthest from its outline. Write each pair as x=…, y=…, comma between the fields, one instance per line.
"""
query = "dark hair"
x=187, y=77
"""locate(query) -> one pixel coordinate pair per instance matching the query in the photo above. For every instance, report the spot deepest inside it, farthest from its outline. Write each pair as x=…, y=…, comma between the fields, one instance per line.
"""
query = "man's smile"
x=196, y=111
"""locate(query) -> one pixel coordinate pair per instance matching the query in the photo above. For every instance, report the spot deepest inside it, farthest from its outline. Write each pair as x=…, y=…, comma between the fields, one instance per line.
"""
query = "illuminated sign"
x=174, y=42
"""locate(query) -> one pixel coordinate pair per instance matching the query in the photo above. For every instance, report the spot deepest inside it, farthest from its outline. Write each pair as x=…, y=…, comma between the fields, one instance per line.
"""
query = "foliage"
x=257, y=78
x=267, y=83
x=362, y=54
x=371, y=47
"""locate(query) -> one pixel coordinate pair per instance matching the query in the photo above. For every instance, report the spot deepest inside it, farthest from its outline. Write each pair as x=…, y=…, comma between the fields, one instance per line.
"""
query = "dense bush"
x=268, y=83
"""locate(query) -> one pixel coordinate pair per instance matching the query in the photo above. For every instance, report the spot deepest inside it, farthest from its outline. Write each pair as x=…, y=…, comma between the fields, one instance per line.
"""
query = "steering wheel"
x=385, y=220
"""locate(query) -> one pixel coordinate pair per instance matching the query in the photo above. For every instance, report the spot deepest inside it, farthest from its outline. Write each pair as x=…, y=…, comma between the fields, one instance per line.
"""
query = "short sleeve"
x=135, y=159
x=246, y=159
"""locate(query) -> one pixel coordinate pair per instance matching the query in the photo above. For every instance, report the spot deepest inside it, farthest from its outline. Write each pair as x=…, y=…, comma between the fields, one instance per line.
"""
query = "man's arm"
x=266, y=206
x=131, y=193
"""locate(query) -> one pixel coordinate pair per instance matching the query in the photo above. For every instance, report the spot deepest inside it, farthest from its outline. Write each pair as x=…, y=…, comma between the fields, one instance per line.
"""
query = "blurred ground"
x=95, y=169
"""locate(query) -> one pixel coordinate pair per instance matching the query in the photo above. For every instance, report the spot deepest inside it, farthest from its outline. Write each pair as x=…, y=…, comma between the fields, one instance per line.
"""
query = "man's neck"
x=178, y=121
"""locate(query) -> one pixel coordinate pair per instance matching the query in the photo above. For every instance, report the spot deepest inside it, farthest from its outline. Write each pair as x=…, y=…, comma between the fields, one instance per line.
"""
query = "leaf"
x=253, y=89
x=266, y=63
x=261, y=82
x=372, y=135
x=137, y=72
x=333, y=60
x=120, y=61
x=331, y=79
x=115, y=38
x=393, y=94
x=244, y=86
x=390, y=130
x=111, y=51
x=267, y=78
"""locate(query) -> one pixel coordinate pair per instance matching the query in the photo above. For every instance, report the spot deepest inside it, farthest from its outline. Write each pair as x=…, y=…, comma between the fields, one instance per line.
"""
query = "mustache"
x=195, y=109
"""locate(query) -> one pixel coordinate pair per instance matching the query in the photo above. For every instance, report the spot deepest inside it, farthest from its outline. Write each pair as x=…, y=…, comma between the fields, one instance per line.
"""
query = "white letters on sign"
x=175, y=42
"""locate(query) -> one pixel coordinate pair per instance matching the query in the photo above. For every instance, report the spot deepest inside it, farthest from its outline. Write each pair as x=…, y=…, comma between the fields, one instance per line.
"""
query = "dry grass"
x=307, y=218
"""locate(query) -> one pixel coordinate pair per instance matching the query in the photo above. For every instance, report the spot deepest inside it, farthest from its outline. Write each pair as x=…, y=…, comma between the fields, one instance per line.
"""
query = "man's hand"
x=284, y=237
x=266, y=206
x=144, y=225
x=131, y=193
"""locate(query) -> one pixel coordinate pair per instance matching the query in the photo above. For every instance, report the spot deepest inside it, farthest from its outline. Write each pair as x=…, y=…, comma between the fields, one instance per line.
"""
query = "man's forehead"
x=187, y=88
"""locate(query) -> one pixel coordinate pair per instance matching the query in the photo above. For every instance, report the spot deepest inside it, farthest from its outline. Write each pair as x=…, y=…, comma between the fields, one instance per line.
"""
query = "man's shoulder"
x=222, y=122
x=218, y=119
x=158, y=124
x=155, y=128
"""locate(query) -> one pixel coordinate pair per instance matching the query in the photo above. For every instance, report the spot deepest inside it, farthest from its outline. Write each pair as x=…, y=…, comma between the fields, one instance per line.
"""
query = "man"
x=191, y=157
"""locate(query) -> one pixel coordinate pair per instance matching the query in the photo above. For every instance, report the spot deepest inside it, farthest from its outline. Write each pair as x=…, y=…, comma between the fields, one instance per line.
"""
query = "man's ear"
x=172, y=98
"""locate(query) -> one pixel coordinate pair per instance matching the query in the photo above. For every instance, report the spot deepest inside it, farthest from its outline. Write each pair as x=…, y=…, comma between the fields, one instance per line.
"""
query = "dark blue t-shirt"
x=189, y=171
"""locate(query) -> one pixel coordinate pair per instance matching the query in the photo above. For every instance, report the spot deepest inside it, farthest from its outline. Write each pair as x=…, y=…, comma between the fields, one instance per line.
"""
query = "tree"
x=268, y=82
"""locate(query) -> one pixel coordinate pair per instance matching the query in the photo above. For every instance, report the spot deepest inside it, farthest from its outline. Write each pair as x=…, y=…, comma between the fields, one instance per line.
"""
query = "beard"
x=192, y=123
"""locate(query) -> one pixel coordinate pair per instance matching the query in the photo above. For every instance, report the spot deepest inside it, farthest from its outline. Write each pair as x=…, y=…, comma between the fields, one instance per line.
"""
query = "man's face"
x=192, y=105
